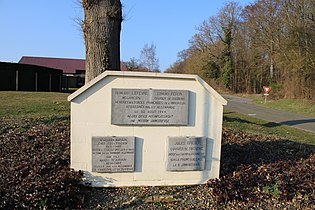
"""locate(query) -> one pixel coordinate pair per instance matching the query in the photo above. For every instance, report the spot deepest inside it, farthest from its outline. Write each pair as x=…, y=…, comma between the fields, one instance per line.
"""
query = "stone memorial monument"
x=136, y=128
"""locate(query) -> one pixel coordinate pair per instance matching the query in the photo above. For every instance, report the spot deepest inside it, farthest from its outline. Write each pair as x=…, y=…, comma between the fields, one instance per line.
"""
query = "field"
x=19, y=105
x=262, y=166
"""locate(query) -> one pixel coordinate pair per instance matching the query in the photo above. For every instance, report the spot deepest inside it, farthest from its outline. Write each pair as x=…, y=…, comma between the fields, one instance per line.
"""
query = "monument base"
x=95, y=180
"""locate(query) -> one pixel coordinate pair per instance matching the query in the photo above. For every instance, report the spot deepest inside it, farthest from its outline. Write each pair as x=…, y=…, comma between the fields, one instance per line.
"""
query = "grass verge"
x=54, y=106
x=301, y=106
x=253, y=125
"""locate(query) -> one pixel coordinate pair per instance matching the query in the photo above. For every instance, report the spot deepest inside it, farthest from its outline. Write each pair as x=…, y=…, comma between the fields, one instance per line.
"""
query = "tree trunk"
x=101, y=28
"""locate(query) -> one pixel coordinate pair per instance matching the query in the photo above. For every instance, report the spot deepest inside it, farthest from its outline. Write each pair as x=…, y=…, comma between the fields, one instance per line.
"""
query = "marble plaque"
x=186, y=153
x=149, y=107
x=113, y=154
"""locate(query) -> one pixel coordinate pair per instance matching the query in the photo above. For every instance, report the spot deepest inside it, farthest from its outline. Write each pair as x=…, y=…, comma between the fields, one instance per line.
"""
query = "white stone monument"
x=137, y=128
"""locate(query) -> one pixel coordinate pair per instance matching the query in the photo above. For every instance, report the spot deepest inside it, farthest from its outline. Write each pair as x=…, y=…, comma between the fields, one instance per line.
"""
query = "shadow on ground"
x=268, y=124
x=243, y=149
x=297, y=122
x=239, y=120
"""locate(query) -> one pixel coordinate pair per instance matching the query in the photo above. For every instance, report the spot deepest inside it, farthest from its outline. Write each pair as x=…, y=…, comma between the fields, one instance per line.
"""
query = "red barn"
x=73, y=69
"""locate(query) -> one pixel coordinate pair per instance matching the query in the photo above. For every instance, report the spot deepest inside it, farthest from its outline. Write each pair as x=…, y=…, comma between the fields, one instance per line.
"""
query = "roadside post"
x=266, y=90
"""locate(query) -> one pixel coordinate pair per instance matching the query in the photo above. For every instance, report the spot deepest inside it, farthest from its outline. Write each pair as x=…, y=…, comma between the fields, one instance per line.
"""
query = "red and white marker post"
x=266, y=90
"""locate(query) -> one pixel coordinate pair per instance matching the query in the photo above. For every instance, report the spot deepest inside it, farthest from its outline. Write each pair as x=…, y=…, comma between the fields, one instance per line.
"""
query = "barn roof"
x=67, y=65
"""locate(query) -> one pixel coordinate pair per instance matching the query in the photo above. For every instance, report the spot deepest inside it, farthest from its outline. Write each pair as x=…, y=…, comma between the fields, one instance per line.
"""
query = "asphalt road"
x=243, y=105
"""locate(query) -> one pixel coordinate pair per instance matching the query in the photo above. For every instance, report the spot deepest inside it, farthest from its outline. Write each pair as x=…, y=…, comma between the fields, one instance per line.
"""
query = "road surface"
x=243, y=105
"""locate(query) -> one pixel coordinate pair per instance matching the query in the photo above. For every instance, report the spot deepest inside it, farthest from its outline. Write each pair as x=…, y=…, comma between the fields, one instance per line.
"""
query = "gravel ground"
x=180, y=197
x=172, y=197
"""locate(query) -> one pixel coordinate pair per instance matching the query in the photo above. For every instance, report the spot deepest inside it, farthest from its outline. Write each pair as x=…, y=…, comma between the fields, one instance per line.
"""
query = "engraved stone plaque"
x=149, y=107
x=186, y=153
x=113, y=154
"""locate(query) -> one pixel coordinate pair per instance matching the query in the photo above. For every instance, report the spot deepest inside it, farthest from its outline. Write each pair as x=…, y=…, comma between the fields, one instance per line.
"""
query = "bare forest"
x=269, y=42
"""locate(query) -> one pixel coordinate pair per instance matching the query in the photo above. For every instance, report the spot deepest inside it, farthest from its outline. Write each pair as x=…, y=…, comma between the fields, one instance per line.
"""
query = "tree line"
x=269, y=42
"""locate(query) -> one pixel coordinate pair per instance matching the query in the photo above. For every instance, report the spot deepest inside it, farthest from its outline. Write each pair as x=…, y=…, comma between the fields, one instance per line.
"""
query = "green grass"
x=23, y=105
x=302, y=106
x=261, y=127
x=33, y=105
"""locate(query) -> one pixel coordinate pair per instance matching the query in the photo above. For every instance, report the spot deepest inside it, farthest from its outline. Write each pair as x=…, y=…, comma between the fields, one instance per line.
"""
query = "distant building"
x=24, y=77
x=73, y=69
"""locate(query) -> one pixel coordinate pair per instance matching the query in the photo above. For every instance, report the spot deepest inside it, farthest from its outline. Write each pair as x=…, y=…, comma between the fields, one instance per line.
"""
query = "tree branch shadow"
x=297, y=122
x=237, y=119
x=268, y=124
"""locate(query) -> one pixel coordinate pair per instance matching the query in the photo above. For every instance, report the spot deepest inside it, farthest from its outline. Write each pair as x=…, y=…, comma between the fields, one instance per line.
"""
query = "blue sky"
x=49, y=28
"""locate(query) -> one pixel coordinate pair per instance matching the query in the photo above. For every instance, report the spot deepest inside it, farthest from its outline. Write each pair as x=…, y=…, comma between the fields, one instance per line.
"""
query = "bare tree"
x=298, y=53
x=149, y=59
x=267, y=42
x=101, y=28
x=216, y=38
x=134, y=65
